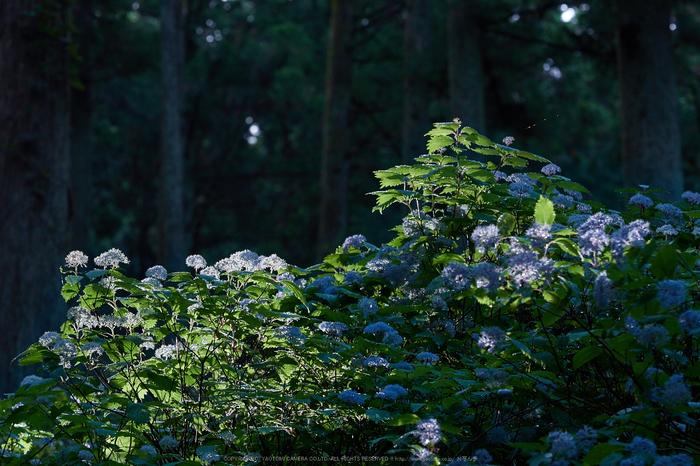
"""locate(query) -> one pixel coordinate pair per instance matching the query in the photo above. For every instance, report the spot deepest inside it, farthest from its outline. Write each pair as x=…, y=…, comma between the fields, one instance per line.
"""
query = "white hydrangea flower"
x=111, y=259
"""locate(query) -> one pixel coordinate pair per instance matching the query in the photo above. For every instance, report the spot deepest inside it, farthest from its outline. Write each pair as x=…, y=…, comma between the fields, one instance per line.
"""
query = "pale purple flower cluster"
x=491, y=339
x=485, y=237
x=551, y=169
x=633, y=235
x=158, y=272
x=562, y=444
x=427, y=358
x=333, y=328
x=520, y=190
x=210, y=272
x=671, y=213
x=196, y=261
x=326, y=285
x=369, y=306
x=586, y=438
x=493, y=378
x=487, y=276
x=422, y=457
x=641, y=201
x=675, y=391
x=391, y=392
x=562, y=200
x=642, y=445
x=526, y=268
x=671, y=293
x=354, y=241
x=290, y=333
x=499, y=176
x=457, y=275
x=689, y=320
x=428, y=431
x=76, y=259
x=168, y=443
x=352, y=277
x=403, y=366
x=508, y=140
x=667, y=230
x=482, y=457
x=681, y=459
x=539, y=233
x=350, y=397
x=376, y=361
x=602, y=290
x=647, y=335
x=520, y=178
x=390, y=336
x=691, y=197
x=583, y=208
x=111, y=259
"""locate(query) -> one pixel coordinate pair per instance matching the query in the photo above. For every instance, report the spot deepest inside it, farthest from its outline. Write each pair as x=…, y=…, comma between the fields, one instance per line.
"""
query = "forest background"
x=174, y=127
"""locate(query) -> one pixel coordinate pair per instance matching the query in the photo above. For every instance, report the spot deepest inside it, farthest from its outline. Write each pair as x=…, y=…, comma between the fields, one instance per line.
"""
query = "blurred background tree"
x=281, y=128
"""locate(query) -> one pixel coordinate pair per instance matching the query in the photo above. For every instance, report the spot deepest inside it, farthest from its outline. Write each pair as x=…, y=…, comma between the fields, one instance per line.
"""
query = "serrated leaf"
x=529, y=156
x=96, y=273
x=438, y=142
x=378, y=415
x=664, y=262
x=138, y=413
x=296, y=291
x=506, y=224
x=544, y=211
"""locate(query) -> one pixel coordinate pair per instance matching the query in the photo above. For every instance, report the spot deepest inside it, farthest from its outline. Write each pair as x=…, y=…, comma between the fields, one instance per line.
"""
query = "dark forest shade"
x=34, y=173
x=651, y=146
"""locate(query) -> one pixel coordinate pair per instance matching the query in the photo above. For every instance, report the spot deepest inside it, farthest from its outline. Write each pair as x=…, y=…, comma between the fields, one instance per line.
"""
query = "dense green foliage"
x=508, y=322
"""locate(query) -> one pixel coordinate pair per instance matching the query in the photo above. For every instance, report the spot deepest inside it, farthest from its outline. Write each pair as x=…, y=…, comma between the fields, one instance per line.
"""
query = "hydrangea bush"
x=509, y=322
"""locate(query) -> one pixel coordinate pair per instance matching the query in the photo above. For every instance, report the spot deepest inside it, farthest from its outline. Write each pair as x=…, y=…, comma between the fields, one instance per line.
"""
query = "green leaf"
x=544, y=211
x=438, y=142
x=403, y=419
x=664, y=262
x=73, y=279
x=138, y=413
x=506, y=223
x=599, y=452
x=378, y=415
x=296, y=291
x=586, y=354
x=96, y=273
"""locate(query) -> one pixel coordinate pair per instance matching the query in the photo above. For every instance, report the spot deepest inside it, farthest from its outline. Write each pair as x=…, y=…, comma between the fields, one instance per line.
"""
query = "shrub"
x=508, y=322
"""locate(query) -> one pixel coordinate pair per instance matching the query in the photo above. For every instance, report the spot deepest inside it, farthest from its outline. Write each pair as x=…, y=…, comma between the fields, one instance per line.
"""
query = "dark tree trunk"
x=416, y=121
x=651, y=149
x=34, y=173
x=172, y=247
x=335, y=166
x=466, y=68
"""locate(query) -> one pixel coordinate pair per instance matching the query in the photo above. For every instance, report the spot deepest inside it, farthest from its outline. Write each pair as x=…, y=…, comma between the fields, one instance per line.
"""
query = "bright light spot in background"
x=568, y=14
x=135, y=6
x=200, y=31
x=551, y=70
x=514, y=18
x=210, y=39
x=254, y=129
x=210, y=23
x=250, y=19
x=584, y=7
x=252, y=140
x=672, y=26
x=365, y=21
x=248, y=120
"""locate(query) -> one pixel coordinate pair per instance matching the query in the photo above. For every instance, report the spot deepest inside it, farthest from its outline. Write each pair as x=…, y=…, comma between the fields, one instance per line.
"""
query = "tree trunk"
x=466, y=67
x=34, y=173
x=335, y=166
x=651, y=149
x=172, y=247
x=416, y=121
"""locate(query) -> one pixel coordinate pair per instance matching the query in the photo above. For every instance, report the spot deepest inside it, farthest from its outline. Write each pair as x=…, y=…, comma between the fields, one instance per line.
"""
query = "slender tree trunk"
x=651, y=148
x=334, y=165
x=172, y=247
x=34, y=173
x=466, y=67
x=416, y=121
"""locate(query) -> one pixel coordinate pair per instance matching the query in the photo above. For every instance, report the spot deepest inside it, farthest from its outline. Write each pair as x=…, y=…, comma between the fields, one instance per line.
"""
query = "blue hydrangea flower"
x=520, y=190
x=369, y=306
x=691, y=197
x=667, y=230
x=602, y=290
x=586, y=438
x=562, y=200
x=350, y=397
x=539, y=233
x=641, y=201
x=422, y=456
x=428, y=431
x=671, y=213
x=592, y=241
x=643, y=445
x=675, y=391
x=354, y=241
x=647, y=335
x=634, y=461
x=491, y=339
x=158, y=272
x=427, y=358
x=485, y=237
x=376, y=361
x=333, y=328
x=562, y=444
x=391, y=392
x=680, y=459
x=525, y=268
x=457, y=275
x=689, y=320
x=551, y=169
x=482, y=457
x=352, y=277
x=671, y=293
x=487, y=276
x=403, y=366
